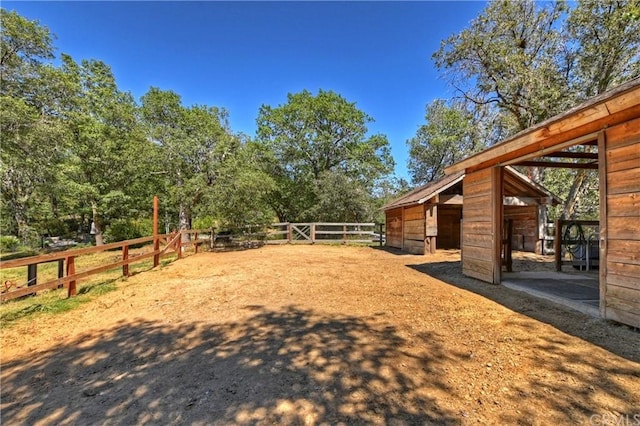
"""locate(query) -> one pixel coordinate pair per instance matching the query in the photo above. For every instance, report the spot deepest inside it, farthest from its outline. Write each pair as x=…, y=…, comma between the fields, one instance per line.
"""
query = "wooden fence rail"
x=324, y=232
x=68, y=277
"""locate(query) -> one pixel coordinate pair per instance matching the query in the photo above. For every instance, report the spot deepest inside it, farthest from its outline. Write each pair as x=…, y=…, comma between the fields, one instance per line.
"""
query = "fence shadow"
x=289, y=366
x=614, y=337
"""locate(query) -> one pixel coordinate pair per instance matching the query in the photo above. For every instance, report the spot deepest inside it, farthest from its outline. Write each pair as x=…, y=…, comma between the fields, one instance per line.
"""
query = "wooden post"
x=289, y=232
x=179, y=245
x=344, y=234
x=195, y=242
x=313, y=233
x=71, y=270
x=32, y=274
x=125, y=257
x=381, y=234
x=557, y=245
x=61, y=271
x=156, y=240
x=508, y=259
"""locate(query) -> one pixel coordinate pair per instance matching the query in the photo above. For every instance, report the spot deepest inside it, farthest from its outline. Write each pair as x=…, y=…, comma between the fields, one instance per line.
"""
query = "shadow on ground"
x=616, y=338
x=289, y=366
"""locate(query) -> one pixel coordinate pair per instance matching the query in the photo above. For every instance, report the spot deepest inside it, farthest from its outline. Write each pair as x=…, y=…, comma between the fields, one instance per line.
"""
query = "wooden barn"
x=610, y=125
x=429, y=217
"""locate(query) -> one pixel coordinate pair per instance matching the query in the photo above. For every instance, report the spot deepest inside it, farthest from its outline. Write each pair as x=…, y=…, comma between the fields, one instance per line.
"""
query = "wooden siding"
x=525, y=226
x=449, y=227
x=414, y=229
x=477, y=225
x=394, y=228
x=620, y=185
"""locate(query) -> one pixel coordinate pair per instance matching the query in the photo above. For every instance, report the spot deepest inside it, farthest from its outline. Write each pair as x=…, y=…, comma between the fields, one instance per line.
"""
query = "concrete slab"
x=577, y=291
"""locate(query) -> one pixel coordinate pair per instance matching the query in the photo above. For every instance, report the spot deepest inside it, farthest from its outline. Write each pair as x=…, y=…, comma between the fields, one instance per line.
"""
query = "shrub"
x=9, y=243
x=122, y=229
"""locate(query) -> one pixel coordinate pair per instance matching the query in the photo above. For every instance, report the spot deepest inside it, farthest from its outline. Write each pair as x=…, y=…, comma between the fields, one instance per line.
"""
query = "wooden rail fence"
x=68, y=277
x=324, y=232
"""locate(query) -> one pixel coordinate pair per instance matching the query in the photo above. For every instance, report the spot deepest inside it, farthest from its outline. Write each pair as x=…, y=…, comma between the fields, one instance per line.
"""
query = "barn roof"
x=515, y=184
x=577, y=126
x=425, y=192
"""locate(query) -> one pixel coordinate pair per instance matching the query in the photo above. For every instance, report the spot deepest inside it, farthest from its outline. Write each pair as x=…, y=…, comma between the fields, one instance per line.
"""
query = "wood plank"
x=479, y=253
x=483, y=228
x=479, y=269
x=625, y=270
x=414, y=212
x=477, y=188
x=621, y=280
x=623, y=134
x=624, y=251
x=621, y=316
x=414, y=247
x=476, y=240
x=623, y=228
x=627, y=157
x=480, y=175
x=623, y=182
x=623, y=293
x=621, y=205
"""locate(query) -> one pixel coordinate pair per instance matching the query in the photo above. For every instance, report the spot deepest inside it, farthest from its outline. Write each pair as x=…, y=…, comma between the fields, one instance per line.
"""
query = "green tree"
x=105, y=133
x=311, y=138
x=33, y=137
x=530, y=61
x=193, y=142
x=448, y=136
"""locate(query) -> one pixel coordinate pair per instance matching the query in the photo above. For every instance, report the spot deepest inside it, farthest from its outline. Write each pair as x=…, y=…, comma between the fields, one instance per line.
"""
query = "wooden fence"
x=324, y=232
x=579, y=240
x=68, y=276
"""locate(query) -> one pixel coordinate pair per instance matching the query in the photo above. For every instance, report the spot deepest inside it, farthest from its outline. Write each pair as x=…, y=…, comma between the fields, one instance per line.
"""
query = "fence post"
x=195, y=242
x=125, y=257
x=61, y=271
x=344, y=234
x=313, y=233
x=557, y=245
x=71, y=270
x=32, y=274
x=380, y=234
x=289, y=232
x=179, y=245
x=156, y=240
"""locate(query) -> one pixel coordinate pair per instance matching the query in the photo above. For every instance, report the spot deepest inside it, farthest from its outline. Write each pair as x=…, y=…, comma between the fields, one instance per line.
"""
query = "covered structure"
x=610, y=124
x=429, y=217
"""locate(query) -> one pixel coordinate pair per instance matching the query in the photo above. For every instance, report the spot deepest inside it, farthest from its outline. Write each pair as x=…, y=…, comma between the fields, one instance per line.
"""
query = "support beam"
x=558, y=164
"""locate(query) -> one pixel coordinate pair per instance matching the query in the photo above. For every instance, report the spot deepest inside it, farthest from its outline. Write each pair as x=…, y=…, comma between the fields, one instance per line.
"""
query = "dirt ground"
x=318, y=335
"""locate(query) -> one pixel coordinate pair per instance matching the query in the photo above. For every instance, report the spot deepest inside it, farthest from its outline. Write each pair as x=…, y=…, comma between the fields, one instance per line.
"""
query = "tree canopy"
x=519, y=63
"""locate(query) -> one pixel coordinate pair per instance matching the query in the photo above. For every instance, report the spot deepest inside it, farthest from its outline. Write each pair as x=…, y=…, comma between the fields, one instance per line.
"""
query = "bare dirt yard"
x=318, y=335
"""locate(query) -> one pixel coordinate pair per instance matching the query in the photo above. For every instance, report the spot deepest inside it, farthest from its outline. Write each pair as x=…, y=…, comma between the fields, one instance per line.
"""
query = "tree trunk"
x=97, y=228
x=573, y=198
x=183, y=222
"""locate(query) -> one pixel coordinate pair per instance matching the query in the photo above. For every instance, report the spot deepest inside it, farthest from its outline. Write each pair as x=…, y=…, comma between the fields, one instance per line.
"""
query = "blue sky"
x=240, y=55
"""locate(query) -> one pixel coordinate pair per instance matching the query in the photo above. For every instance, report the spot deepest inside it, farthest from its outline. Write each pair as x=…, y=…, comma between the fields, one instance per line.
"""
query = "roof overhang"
x=579, y=125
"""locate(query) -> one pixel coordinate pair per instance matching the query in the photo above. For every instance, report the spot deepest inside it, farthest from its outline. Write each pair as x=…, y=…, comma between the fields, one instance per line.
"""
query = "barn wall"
x=620, y=194
x=414, y=229
x=525, y=226
x=394, y=228
x=481, y=212
x=449, y=227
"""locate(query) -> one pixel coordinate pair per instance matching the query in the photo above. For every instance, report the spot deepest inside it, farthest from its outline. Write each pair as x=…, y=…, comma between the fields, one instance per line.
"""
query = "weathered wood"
x=624, y=251
x=24, y=261
x=624, y=181
x=622, y=316
x=125, y=256
x=413, y=213
x=625, y=158
x=71, y=272
x=623, y=228
x=32, y=274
